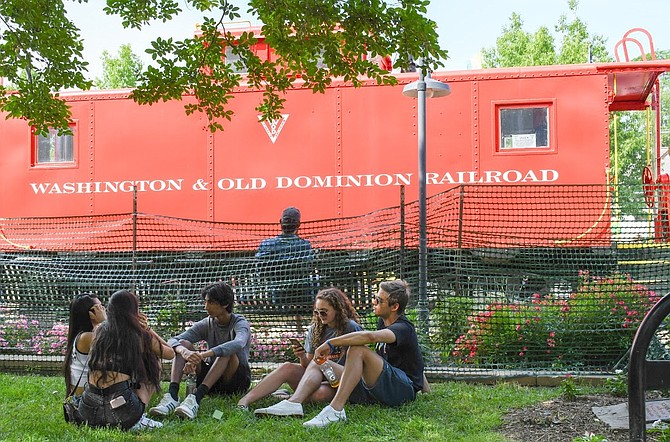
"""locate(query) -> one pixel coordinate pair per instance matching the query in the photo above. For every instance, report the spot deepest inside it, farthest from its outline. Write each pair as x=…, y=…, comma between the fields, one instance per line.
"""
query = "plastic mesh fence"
x=532, y=278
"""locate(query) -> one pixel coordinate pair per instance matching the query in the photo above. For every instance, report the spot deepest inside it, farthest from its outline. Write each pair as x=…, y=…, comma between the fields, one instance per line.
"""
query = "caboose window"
x=234, y=61
x=54, y=149
x=524, y=127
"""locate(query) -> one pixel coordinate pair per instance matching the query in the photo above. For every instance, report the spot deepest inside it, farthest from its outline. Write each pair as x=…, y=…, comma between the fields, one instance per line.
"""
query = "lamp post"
x=424, y=87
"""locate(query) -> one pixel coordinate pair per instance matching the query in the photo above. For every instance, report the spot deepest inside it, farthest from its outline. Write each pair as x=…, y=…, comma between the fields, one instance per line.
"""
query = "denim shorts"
x=239, y=383
x=393, y=388
x=114, y=406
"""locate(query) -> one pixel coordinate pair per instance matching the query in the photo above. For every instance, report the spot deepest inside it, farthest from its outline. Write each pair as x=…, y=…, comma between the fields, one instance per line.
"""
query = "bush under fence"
x=520, y=279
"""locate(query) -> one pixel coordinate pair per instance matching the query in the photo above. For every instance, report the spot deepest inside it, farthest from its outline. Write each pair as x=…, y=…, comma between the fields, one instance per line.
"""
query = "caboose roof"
x=630, y=83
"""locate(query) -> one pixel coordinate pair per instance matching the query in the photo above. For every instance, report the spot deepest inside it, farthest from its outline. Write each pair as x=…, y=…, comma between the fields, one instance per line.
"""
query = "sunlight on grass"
x=453, y=411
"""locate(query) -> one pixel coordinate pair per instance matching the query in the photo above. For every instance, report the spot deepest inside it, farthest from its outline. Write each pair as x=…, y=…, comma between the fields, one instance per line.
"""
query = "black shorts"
x=239, y=383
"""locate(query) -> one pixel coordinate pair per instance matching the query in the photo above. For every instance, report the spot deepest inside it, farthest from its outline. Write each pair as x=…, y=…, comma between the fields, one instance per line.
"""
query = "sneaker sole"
x=265, y=414
x=184, y=414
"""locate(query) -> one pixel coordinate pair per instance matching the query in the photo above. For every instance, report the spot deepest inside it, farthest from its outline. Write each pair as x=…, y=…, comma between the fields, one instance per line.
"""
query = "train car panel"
x=260, y=167
x=157, y=148
x=338, y=154
x=574, y=125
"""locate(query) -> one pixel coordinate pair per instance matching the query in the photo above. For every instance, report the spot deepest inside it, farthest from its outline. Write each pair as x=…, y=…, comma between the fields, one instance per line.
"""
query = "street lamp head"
x=434, y=88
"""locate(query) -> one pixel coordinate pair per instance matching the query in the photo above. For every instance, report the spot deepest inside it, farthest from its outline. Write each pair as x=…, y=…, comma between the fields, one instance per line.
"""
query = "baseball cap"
x=290, y=215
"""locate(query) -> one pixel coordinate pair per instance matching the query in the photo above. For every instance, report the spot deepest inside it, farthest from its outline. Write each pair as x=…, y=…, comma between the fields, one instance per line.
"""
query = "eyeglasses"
x=322, y=313
x=379, y=300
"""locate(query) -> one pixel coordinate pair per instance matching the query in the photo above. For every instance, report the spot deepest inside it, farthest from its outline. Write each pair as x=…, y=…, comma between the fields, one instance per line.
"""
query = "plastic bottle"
x=328, y=372
x=190, y=384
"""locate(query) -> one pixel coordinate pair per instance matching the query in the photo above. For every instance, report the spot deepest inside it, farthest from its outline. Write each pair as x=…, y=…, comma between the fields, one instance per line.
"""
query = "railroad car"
x=339, y=154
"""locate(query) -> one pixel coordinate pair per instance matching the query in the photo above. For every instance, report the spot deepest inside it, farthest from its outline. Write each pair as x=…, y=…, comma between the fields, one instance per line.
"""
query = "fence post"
x=134, y=238
x=402, y=231
x=459, y=244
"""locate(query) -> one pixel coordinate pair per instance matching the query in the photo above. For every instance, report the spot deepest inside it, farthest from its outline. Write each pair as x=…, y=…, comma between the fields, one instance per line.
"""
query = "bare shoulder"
x=84, y=342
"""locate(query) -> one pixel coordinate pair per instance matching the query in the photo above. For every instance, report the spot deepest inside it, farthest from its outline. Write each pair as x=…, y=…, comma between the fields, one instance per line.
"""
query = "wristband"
x=330, y=346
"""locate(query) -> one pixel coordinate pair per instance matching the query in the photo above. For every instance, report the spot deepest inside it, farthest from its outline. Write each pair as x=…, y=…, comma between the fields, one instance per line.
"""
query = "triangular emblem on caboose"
x=273, y=127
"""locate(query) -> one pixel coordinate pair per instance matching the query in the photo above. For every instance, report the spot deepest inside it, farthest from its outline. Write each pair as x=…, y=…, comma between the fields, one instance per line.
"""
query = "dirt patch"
x=563, y=420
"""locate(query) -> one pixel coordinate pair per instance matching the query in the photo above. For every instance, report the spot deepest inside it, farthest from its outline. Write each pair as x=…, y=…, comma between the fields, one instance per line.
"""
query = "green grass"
x=31, y=411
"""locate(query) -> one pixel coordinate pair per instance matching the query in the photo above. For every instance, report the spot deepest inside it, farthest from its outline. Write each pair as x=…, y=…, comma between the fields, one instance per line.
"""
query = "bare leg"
x=223, y=367
x=288, y=372
x=179, y=362
x=361, y=363
x=145, y=392
x=309, y=384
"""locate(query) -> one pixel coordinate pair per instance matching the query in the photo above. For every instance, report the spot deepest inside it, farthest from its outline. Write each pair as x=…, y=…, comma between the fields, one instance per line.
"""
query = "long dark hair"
x=121, y=344
x=79, y=322
x=344, y=311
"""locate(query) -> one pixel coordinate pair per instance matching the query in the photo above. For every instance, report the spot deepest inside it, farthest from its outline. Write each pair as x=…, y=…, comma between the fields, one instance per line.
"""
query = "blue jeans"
x=393, y=388
x=114, y=406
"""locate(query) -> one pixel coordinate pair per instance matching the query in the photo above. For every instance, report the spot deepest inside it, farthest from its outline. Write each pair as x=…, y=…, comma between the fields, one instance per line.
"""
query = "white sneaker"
x=283, y=408
x=327, y=416
x=146, y=424
x=188, y=408
x=165, y=407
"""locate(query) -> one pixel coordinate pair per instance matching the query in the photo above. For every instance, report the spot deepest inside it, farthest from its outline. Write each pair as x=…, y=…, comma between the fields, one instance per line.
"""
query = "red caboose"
x=342, y=153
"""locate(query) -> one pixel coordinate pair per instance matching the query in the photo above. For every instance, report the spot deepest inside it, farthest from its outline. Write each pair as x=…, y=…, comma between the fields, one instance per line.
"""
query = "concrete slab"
x=616, y=416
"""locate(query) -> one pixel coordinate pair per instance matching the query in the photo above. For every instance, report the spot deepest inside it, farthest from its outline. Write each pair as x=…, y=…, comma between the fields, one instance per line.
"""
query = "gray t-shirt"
x=223, y=340
x=339, y=354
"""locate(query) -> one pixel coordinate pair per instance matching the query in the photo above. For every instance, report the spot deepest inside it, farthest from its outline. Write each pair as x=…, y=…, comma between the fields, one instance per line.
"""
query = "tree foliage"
x=121, y=71
x=517, y=47
x=315, y=40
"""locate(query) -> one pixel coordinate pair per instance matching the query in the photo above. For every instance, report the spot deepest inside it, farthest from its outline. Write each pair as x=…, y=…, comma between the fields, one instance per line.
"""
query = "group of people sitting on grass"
x=113, y=359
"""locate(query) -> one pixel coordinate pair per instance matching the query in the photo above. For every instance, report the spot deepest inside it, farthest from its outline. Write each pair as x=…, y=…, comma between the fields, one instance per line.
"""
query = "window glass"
x=234, y=61
x=524, y=127
x=54, y=148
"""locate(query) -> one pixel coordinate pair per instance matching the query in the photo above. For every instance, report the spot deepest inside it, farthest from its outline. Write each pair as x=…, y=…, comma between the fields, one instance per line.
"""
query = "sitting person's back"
x=285, y=263
x=288, y=245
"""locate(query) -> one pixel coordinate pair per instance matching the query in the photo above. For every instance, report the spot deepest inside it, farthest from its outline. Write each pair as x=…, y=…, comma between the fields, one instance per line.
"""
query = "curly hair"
x=79, y=322
x=121, y=344
x=344, y=311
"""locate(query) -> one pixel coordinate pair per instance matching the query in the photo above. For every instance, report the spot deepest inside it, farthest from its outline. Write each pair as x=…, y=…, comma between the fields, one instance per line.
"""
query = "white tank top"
x=78, y=366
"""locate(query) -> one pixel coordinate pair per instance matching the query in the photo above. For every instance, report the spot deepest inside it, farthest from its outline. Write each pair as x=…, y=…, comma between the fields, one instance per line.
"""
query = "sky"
x=464, y=27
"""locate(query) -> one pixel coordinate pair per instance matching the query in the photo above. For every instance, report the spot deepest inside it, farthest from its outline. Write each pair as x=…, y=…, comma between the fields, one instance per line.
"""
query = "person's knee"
x=285, y=368
x=358, y=351
x=323, y=394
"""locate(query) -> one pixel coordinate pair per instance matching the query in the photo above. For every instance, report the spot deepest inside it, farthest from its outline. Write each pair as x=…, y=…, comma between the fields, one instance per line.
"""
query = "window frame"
x=34, y=154
x=498, y=106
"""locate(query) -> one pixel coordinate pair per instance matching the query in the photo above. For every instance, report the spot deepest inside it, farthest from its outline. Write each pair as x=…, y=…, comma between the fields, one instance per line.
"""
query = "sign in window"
x=524, y=127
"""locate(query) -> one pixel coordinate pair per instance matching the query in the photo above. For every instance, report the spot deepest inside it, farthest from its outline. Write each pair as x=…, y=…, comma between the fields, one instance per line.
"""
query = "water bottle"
x=190, y=384
x=328, y=372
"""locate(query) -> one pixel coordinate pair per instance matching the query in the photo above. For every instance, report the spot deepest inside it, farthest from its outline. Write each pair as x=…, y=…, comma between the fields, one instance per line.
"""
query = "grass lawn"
x=31, y=411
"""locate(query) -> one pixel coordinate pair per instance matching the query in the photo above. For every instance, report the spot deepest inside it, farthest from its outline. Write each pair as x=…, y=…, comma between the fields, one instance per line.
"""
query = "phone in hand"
x=297, y=343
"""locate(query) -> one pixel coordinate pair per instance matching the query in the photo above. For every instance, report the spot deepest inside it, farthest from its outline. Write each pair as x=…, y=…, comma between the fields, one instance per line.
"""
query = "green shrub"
x=593, y=326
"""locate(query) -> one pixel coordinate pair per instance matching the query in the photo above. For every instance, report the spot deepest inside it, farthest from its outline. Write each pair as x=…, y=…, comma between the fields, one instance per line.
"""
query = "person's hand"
x=144, y=322
x=321, y=352
x=191, y=356
x=189, y=369
x=298, y=350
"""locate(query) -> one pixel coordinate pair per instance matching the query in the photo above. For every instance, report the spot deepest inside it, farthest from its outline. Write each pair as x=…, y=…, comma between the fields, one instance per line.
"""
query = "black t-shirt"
x=404, y=353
